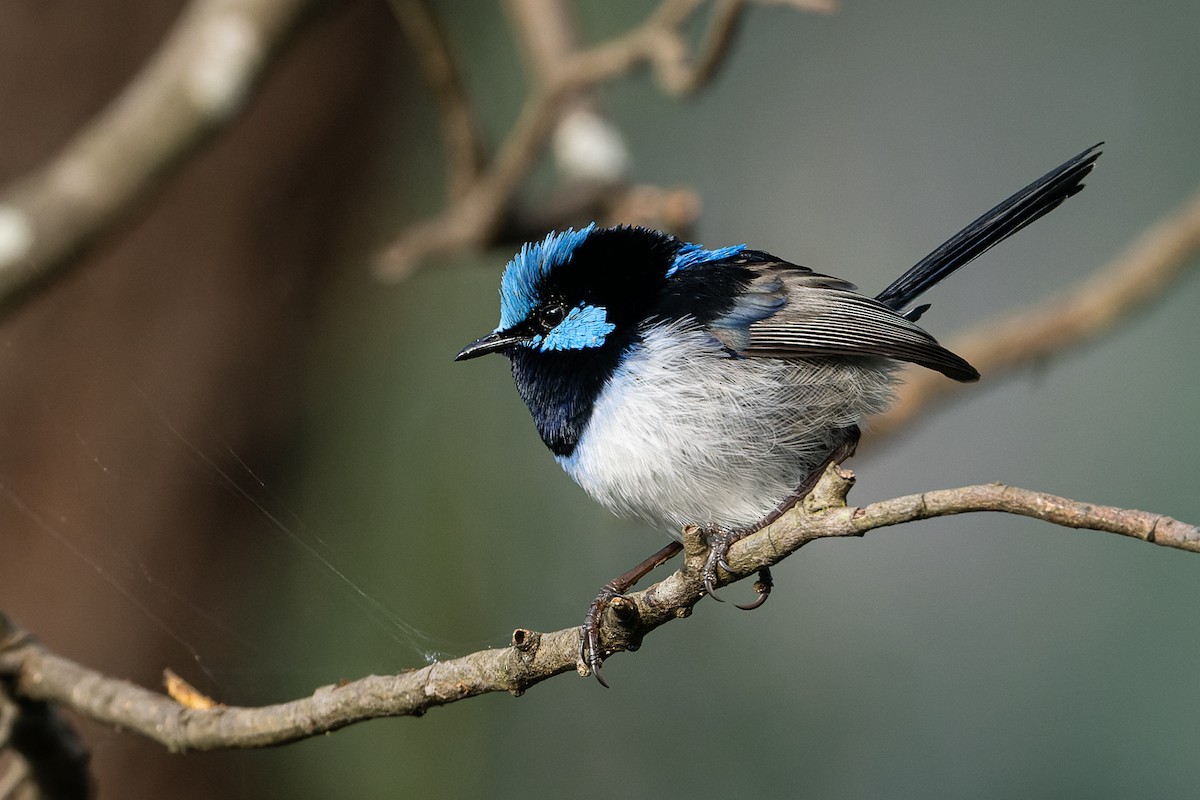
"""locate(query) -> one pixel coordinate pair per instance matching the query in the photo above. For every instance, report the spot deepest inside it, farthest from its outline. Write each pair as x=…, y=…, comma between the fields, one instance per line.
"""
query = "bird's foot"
x=719, y=541
x=591, y=653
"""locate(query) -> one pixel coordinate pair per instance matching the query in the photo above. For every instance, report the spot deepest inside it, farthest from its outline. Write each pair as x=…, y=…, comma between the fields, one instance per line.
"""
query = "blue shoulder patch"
x=586, y=326
x=689, y=255
x=518, y=286
x=763, y=298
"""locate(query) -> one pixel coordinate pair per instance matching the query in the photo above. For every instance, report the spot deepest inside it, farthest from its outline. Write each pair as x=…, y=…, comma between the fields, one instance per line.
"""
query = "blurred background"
x=227, y=448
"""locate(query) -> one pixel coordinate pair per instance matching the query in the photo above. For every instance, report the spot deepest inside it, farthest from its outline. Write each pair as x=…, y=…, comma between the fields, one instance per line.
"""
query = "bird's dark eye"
x=553, y=314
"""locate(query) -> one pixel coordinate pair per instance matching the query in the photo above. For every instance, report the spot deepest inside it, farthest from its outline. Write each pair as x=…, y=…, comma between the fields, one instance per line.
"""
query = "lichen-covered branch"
x=192, y=87
x=36, y=674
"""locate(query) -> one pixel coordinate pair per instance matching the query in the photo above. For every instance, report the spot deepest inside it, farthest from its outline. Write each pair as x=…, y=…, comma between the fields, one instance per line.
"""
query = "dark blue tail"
x=1038, y=198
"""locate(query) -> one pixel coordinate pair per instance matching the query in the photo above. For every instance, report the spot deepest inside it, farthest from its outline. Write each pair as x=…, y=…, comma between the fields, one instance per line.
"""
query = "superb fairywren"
x=688, y=386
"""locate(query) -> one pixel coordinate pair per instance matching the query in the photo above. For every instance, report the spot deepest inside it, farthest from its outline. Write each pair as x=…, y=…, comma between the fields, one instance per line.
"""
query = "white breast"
x=685, y=434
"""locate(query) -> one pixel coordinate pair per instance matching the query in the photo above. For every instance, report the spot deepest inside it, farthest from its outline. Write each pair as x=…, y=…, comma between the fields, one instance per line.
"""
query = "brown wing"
x=798, y=314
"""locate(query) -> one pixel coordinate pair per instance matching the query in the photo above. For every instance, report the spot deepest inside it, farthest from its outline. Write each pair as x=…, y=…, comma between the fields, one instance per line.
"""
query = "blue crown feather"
x=689, y=255
x=518, y=286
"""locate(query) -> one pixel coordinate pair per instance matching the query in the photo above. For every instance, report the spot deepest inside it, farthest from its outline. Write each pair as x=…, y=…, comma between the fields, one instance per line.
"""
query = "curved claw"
x=762, y=598
x=708, y=587
x=715, y=557
x=594, y=661
x=590, y=652
x=763, y=586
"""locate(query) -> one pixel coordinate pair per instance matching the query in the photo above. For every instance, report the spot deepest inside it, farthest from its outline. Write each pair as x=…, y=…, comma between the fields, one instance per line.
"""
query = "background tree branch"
x=198, y=289
x=220, y=49
x=1151, y=264
x=191, y=88
x=561, y=76
x=40, y=675
x=181, y=98
x=465, y=146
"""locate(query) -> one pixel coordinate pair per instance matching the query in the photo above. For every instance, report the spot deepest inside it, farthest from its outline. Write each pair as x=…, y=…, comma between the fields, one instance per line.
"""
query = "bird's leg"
x=590, y=651
x=721, y=539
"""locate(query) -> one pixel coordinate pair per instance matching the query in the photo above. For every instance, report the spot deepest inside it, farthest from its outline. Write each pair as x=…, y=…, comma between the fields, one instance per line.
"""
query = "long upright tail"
x=1038, y=198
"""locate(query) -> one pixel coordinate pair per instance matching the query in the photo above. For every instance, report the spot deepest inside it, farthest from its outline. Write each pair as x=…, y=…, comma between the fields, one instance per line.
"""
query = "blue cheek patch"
x=584, y=327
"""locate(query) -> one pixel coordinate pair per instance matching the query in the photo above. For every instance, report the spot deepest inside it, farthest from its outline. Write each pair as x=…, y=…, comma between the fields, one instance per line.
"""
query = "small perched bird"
x=688, y=386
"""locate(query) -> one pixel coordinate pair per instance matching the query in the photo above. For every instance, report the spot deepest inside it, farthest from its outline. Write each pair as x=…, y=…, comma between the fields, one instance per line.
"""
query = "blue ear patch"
x=690, y=255
x=518, y=286
x=586, y=326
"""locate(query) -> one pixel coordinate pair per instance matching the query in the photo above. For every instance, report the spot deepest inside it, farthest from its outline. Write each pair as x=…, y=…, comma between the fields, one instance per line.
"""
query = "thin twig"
x=547, y=33
x=683, y=79
x=464, y=140
x=479, y=214
x=40, y=675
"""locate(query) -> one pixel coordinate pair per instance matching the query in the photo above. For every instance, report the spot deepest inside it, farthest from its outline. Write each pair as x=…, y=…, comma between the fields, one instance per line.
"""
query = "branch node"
x=526, y=641
x=831, y=491
x=624, y=610
x=694, y=544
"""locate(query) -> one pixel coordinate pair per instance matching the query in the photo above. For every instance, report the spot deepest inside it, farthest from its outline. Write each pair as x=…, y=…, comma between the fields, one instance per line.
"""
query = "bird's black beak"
x=492, y=343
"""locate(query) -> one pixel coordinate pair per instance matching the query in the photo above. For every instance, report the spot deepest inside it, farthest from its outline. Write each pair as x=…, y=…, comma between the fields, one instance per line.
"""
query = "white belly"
x=684, y=434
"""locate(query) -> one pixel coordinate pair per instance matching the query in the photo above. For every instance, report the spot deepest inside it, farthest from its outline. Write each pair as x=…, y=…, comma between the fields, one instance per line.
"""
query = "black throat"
x=561, y=388
x=623, y=270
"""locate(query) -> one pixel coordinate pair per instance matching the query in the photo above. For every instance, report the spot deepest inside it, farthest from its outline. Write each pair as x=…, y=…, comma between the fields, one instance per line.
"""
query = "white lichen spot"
x=16, y=234
x=222, y=64
x=589, y=147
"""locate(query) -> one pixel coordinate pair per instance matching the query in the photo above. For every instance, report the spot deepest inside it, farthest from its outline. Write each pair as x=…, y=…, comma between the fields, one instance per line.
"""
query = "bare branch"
x=480, y=212
x=1154, y=261
x=547, y=31
x=191, y=88
x=464, y=141
x=39, y=675
x=826, y=516
x=679, y=77
x=816, y=6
